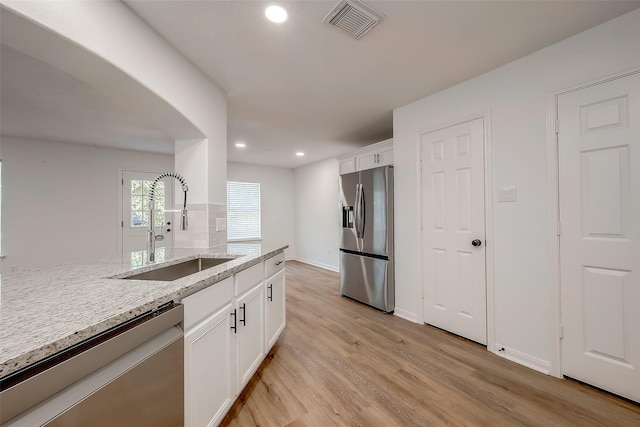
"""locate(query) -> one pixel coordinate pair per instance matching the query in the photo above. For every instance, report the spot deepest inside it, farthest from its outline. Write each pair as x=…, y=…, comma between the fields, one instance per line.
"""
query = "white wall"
x=317, y=212
x=514, y=95
x=62, y=202
x=277, y=201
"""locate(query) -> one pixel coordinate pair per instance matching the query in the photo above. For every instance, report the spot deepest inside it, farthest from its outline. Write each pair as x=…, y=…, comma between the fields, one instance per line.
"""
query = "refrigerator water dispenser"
x=347, y=217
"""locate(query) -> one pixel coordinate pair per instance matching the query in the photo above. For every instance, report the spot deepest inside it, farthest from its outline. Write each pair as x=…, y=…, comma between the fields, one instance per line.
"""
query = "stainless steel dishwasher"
x=131, y=375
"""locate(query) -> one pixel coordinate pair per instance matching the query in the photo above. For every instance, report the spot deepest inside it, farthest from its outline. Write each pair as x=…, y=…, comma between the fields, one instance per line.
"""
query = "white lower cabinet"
x=209, y=362
x=229, y=328
x=250, y=348
x=275, y=307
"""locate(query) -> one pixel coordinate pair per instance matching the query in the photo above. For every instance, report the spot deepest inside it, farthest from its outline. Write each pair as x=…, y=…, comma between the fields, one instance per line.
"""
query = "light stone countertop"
x=44, y=311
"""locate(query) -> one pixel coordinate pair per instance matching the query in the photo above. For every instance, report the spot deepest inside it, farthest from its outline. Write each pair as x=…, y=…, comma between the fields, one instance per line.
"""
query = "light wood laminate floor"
x=341, y=363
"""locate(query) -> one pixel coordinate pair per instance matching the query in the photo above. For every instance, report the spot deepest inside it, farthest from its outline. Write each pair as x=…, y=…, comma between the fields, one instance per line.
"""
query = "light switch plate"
x=507, y=194
x=221, y=224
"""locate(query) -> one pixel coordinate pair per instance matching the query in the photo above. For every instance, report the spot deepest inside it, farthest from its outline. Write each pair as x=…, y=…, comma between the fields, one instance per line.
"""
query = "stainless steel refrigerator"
x=366, y=242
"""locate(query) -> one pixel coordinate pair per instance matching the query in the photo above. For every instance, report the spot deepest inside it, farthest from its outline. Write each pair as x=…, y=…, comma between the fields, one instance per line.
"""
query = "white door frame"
x=553, y=184
x=488, y=219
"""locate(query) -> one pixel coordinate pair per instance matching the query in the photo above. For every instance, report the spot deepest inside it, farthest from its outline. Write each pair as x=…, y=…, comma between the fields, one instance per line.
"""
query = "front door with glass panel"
x=135, y=213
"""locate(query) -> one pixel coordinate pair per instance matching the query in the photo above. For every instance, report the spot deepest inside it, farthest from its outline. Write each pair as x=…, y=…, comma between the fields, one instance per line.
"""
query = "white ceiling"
x=297, y=86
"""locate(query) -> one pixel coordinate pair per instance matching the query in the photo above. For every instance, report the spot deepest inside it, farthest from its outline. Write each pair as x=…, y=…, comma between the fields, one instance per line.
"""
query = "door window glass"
x=140, y=203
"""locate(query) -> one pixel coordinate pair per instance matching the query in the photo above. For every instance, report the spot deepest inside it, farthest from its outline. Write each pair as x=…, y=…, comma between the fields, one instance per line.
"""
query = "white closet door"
x=453, y=236
x=599, y=177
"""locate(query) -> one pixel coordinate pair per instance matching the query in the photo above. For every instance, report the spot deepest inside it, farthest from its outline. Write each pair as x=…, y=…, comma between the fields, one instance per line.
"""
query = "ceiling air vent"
x=353, y=17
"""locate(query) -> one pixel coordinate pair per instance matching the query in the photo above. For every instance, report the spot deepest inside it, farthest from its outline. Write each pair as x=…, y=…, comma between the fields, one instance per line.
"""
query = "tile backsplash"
x=202, y=227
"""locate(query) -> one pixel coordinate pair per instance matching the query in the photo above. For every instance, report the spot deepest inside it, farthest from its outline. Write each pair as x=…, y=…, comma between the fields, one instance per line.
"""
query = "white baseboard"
x=524, y=359
x=406, y=314
x=317, y=264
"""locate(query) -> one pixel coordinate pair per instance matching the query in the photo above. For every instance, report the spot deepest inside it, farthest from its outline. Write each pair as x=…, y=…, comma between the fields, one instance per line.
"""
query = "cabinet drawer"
x=207, y=301
x=249, y=277
x=274, y=264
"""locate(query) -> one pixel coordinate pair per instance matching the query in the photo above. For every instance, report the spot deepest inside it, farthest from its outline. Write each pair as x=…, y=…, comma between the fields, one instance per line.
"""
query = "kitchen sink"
x=179, y=270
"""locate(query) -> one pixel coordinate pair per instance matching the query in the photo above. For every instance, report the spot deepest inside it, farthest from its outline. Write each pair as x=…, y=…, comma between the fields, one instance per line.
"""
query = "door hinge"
x=122, y=182
x=559, y=228
x=122, y=224
x=561, y=332
x=557, y=126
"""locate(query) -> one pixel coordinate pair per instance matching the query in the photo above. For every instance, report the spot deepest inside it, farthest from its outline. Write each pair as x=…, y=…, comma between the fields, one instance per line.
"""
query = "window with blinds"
x=243, y=210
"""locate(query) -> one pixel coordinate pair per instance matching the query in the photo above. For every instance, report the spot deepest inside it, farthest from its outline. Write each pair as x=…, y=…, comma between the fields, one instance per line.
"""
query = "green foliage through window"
x=140, y=203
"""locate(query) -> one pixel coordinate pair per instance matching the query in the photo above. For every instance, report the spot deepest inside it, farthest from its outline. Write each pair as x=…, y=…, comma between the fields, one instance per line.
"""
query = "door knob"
x=476, y=242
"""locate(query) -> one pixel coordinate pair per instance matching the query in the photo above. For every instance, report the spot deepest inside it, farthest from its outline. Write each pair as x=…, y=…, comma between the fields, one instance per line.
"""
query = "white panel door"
x=135, y=213
x=599, y=178
x=453, y=230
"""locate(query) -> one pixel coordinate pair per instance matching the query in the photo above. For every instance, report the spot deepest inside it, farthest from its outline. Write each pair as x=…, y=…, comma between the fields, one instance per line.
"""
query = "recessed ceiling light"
x=299, y=154
x=276, y=14
x=240, y=144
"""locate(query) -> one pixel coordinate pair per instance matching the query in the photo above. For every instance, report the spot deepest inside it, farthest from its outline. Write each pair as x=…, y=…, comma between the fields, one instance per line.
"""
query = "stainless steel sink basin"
x=177, y=271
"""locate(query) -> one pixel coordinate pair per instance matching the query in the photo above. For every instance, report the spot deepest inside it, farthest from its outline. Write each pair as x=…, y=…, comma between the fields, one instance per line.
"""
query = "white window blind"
x=243, y=210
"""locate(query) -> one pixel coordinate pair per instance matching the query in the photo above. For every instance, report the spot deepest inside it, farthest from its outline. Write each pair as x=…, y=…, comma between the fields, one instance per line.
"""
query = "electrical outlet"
x=221, y=224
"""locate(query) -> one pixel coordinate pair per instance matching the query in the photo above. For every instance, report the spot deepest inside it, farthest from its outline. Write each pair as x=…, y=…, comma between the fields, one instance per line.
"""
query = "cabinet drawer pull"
x=270, y=292
x=235, y=325
x=279, y=262
x=244, y=314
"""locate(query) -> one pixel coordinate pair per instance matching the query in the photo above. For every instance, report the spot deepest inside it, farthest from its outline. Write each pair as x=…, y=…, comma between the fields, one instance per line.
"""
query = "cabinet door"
x=366, y=161
x=276, y=309
x=250, y=348
x=385, y=156
x=347, y=165
x=209, y=369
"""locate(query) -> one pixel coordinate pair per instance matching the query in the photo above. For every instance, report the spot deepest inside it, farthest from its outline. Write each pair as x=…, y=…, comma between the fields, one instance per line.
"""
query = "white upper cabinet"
x=372, y=156
x=347, y=165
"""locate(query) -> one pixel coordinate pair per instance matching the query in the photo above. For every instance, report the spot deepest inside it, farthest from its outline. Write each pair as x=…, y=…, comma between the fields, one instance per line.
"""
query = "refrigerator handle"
x=357, y=211
x=362, y=211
